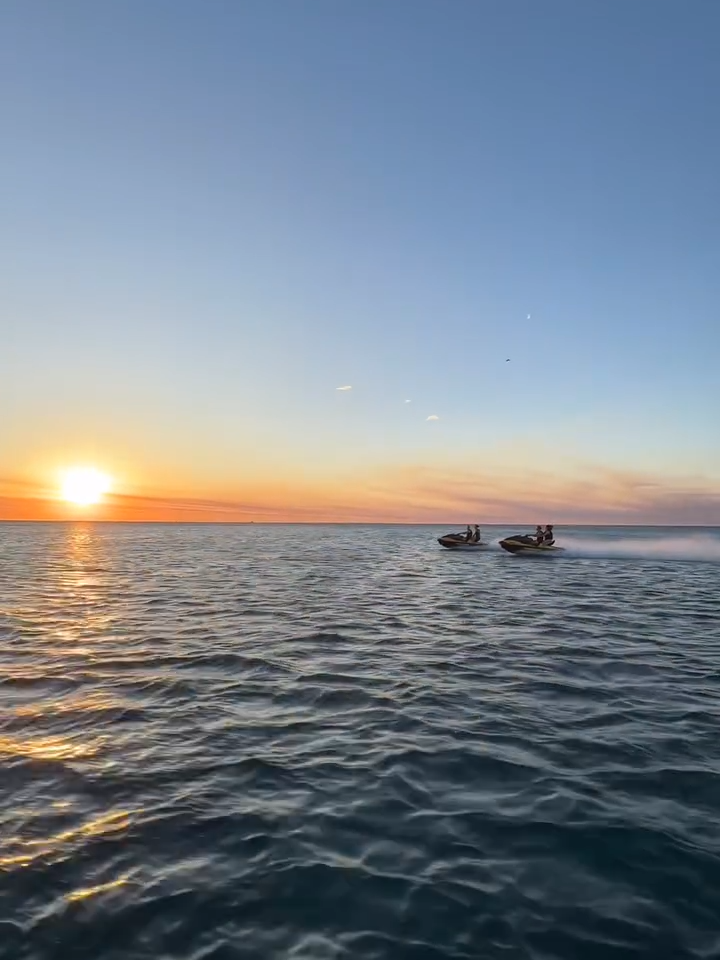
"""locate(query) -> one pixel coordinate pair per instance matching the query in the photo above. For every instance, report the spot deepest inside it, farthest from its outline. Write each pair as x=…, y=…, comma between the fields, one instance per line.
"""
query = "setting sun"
x=84, y=486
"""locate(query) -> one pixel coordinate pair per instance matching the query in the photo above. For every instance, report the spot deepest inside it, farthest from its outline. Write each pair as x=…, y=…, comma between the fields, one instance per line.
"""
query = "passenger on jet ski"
x=548, y=536
x=476, y=534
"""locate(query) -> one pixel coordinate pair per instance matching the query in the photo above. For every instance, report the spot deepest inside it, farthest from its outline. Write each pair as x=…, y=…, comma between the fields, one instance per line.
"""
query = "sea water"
x=345, y=742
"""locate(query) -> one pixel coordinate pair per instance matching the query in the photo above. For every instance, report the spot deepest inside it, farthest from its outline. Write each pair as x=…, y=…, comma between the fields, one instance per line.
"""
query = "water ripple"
x=309, y=743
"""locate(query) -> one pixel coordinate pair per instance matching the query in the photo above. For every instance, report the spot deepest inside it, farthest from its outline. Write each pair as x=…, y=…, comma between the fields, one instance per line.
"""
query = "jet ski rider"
x=539, y=535
x=549, y=536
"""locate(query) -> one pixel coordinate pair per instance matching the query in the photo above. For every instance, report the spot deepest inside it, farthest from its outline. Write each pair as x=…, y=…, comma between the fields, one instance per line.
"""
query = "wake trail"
x=697, y=548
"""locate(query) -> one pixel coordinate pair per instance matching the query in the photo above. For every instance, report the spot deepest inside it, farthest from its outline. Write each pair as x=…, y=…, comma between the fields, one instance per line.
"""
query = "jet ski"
x=458, y=541
x=522, y=543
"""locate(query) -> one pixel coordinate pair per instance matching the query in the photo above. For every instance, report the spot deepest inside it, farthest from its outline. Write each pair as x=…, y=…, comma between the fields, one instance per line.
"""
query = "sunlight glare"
x=84, y=486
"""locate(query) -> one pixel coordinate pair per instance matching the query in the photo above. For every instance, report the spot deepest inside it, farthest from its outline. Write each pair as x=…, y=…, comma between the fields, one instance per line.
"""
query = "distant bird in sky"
x=343, y=388
x=528, y=316
x=508, y=360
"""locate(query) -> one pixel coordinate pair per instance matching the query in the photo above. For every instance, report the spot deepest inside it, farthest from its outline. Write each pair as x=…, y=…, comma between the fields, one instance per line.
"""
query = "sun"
x=84, y=486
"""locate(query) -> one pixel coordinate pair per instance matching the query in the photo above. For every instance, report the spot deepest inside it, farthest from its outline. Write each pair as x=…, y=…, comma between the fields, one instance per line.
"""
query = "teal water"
x=344, y=742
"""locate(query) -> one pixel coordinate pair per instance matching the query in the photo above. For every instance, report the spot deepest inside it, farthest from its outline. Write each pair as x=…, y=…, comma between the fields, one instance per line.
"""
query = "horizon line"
x=341, y=523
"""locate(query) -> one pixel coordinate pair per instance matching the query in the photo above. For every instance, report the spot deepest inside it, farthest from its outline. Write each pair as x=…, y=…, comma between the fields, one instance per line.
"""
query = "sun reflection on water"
x=84, y=893
x=50, y=748
x=20, y=852
x=94, y=702
x=62, y=623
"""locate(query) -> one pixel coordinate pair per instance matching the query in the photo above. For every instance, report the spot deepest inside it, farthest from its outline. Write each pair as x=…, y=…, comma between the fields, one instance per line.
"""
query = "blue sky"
x=214, y=213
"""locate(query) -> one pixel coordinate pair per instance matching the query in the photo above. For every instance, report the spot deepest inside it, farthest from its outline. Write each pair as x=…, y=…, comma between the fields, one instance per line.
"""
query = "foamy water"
x=693, y=547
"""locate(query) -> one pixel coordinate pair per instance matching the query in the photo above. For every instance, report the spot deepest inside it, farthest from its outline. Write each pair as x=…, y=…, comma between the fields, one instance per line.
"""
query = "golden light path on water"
x=70, y=621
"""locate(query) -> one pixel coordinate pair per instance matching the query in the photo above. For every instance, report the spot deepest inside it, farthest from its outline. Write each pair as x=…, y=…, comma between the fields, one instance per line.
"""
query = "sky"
x=217, y=212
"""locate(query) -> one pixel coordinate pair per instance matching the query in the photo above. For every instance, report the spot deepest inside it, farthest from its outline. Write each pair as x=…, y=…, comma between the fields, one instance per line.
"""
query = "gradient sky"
x=214, y=213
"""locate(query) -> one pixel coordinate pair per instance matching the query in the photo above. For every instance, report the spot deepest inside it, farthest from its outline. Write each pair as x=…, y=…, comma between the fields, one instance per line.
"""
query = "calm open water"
x=344, y=742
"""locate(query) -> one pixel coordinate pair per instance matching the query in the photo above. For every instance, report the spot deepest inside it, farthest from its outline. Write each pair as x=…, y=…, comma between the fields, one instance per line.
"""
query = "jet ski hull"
x=527, y=547
x=452, y=541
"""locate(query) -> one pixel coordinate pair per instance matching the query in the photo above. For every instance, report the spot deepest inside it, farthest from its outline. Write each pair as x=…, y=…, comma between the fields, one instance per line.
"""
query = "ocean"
x=345, y=743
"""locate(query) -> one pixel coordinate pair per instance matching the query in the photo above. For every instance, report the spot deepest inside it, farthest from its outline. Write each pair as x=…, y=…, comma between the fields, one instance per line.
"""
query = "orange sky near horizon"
x=415, y=493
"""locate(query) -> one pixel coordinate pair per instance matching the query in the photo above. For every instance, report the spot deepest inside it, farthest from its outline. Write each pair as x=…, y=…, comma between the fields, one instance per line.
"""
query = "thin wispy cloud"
x=433, y=417
x=586, y=493
x=408, y=401
x=343, y=388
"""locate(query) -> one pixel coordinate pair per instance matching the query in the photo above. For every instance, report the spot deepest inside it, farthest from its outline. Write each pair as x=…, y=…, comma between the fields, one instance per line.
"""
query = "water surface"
x=345, y=742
